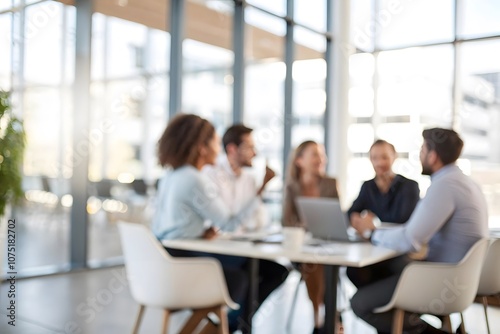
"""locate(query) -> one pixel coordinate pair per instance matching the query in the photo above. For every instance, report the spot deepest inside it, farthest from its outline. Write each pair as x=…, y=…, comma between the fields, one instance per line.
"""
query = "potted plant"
x=12, y=143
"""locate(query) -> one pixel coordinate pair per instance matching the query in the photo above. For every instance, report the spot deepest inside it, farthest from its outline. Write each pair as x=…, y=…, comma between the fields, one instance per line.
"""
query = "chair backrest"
x=439, y=288
x=489, y=284
x=157, y=279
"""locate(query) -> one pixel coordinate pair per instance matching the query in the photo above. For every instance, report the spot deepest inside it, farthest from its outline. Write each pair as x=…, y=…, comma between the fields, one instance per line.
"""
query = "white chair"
x=489, y=283
x=158, y=280
x=437, y=288
x=294, y=302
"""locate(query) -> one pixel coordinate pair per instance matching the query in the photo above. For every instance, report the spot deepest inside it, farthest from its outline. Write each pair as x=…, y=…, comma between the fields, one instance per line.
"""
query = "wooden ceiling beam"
x=202, y=24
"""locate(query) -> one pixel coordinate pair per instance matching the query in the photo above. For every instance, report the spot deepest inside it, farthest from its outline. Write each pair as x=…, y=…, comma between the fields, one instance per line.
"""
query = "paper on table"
x=323, y=249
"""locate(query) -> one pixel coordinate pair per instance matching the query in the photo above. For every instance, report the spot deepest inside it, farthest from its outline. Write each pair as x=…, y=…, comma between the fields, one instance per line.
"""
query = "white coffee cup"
x=293, y=238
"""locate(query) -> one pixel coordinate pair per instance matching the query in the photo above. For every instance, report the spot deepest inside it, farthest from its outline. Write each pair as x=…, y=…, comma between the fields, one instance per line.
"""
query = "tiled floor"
x=99, y=301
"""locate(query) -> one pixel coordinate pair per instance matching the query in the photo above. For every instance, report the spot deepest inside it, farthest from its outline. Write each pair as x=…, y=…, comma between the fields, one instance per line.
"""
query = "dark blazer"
x=395, y=206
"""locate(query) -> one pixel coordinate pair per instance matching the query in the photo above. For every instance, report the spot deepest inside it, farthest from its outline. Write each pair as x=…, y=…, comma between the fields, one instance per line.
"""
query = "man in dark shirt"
x=390, y=197
x=451, y=217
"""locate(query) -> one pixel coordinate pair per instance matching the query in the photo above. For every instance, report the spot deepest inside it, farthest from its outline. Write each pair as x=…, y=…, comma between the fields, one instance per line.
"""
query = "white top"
x=236, y=191
x=188, y=202
x=450, y=218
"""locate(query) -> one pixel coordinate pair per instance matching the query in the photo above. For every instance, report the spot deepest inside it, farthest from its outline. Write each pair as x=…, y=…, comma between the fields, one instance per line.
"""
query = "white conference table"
x=332, y=255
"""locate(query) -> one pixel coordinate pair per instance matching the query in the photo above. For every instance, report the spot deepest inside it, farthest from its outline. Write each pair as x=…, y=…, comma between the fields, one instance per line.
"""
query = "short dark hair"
x=234, y=135
x=382, y=142
x=445, y=142
x=179, y=142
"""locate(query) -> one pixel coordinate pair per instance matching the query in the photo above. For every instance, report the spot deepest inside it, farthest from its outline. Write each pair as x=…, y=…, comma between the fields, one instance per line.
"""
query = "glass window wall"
x=311, y=14
x=416, y=83
x=277, y=7
x=362, y=32
x=37, y=65
x=309, y=72
x=264, y=91
x=407, y=22
x=5, y=45
x=208, y=62
x=479, y=18
x=411, y=70
x=128, y=113
x=478, y=118
x=399, y=90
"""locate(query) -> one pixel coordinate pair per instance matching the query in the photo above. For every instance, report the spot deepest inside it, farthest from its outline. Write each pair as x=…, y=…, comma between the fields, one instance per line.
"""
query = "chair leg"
x=209, y=328
x=222, y=327
x=194, y=320
x=222, y=314
x=485, y=306
x=446, y=323
x=462, y=324
x=138, y=319
x=397, y=321
x=166, y=318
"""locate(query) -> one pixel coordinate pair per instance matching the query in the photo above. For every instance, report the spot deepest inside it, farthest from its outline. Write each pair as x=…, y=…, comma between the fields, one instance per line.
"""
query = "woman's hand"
x=210, y=233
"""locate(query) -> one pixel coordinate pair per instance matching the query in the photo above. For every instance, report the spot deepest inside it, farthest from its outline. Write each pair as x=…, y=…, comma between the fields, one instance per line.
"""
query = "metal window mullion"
x=18, y=82
x=103, y=100
x=329, y=76
x=147, y=154
x=177, y=18
x=62, y=96
x=376, y=118
x=456, y=82
x=81, y=111
x=288, y=91
x=239, y=61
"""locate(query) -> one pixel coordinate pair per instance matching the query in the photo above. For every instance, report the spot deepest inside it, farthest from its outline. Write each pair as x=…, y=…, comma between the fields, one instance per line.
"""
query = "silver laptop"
x=325, y=219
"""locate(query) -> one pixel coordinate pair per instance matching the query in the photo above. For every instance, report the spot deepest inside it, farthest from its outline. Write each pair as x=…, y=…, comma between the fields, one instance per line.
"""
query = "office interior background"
x=97, y=81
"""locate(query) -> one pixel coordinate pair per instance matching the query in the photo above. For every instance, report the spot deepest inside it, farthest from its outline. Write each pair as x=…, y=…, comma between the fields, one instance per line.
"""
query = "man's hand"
x=267, y=177
x=210, y=233
x=363, y=222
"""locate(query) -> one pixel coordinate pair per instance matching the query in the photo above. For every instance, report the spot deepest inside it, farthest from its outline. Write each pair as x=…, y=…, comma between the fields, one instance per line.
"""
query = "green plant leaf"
x=12, y=145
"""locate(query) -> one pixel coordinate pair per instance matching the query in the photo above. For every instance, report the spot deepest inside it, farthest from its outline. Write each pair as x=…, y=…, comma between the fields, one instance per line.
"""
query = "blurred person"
x=450, y=218
x=306, y=177
x=235, y=182
x=185, y=196
x=388, y=197
x=187, y=206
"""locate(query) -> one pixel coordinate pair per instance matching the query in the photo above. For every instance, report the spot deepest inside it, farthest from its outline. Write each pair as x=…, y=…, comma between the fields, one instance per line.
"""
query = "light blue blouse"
x=188, y=202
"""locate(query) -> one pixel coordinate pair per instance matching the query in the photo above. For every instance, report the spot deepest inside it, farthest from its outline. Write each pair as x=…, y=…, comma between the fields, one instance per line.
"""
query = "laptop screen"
x=323, y=217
